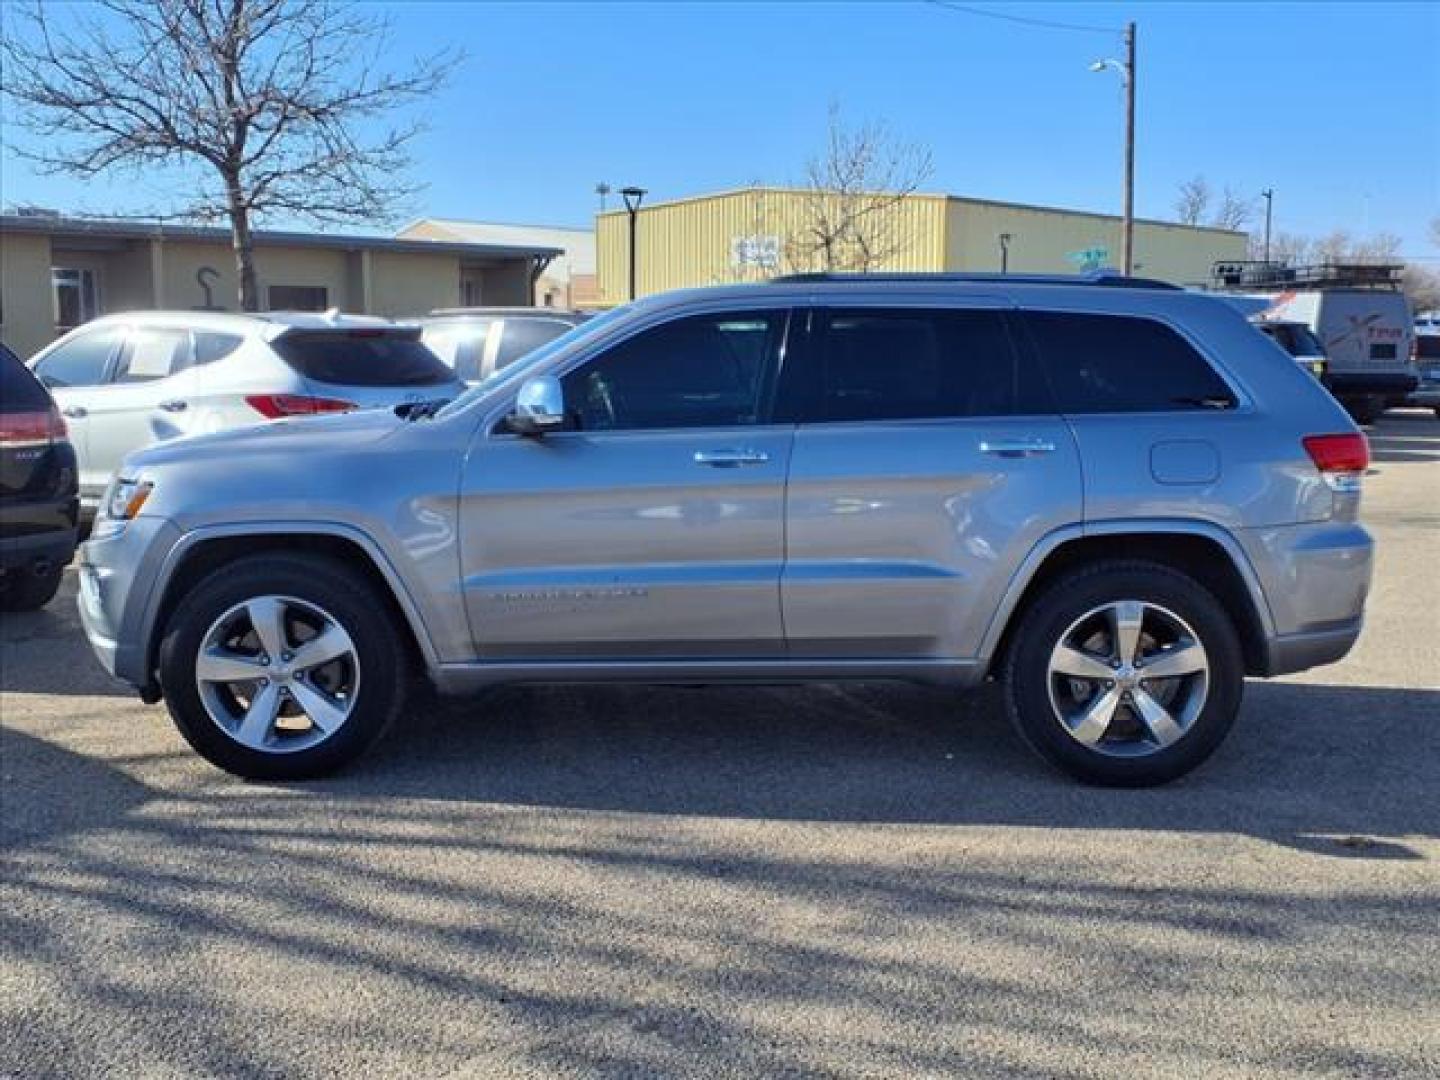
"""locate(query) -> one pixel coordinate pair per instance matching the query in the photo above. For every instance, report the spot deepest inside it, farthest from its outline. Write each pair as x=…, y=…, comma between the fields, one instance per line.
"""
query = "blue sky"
x=1334, y=105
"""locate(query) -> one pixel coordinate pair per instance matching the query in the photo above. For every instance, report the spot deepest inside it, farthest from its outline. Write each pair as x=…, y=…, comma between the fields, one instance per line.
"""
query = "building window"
x=299, y=298
x=77, y=297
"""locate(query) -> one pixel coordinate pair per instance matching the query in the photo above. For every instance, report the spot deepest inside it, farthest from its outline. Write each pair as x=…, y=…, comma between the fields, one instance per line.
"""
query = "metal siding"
x=1041, y=241
x=688, y=243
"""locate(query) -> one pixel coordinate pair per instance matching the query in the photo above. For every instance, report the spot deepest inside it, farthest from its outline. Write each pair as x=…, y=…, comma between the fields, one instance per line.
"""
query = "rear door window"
x=1122, y=363
x=362, y=358
x=151, y=353
x=522, y=335
x=914, y=364
x=460, y=344
x=81, y=361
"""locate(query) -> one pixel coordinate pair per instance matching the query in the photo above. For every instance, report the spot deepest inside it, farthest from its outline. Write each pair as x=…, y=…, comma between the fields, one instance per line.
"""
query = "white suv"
x=126, y=381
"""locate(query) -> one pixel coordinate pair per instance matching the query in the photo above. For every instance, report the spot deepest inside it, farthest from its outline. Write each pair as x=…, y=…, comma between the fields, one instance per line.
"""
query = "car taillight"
x=1341, y=459
x=274, y=406
x=19, y=429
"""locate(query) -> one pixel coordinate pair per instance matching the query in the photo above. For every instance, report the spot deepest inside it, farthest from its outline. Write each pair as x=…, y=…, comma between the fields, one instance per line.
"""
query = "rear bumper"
x=1315, y=578
x=1290, y=653
x=21, y=553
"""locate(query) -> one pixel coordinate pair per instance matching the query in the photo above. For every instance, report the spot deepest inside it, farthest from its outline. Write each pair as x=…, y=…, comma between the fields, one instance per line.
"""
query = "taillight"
x=274, y=406
x=32, y=428
x=1341, y=459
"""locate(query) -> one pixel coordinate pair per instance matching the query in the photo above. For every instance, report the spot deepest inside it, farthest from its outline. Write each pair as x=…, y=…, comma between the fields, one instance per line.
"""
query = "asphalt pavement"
x=826, y=881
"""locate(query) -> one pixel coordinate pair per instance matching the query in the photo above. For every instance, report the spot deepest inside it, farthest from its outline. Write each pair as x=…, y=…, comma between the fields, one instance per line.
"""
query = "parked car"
x=38, y=505
x=1103, y=493
x=1299, y=341
x=125, y=381
x=1366, y=334
x=477, y=342
x=1427, y=362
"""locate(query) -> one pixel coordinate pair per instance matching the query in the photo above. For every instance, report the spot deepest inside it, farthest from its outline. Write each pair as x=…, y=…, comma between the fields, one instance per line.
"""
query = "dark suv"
x=38, y=495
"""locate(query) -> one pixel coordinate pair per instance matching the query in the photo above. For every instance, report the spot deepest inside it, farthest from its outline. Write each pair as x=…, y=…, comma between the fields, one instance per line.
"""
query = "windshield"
x=531, y=361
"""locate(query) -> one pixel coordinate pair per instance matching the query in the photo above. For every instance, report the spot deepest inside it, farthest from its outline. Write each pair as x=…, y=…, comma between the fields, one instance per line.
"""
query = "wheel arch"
x=1201, y=551
x=200, y=552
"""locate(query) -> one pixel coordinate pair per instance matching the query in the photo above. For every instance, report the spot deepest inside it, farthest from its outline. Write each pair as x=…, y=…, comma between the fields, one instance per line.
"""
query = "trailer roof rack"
x=1097, y=277
x=1256, y=275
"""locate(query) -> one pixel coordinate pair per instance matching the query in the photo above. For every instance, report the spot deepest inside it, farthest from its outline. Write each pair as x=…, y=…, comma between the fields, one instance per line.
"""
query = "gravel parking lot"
x=869, y=880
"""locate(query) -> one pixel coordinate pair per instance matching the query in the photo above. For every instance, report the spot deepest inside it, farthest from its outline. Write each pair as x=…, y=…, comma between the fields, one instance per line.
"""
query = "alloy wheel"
x=1128, y=678
x=277, y=674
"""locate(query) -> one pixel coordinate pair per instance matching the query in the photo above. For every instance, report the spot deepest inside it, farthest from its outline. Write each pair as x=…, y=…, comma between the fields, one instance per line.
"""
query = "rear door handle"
x=174, y=405
x=1017, y=447
x=730, y=459
x=75, y=412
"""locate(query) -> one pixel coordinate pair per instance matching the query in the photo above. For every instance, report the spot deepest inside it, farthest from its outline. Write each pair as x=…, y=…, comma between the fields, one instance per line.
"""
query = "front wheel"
x=282, y=667
x=1127, y=674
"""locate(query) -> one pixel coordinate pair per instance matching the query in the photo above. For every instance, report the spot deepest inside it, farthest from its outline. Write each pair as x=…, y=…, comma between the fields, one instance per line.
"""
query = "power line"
x=1047, y=24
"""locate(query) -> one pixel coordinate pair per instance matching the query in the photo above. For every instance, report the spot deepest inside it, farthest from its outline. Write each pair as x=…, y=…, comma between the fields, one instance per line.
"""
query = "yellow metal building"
x=753, y=233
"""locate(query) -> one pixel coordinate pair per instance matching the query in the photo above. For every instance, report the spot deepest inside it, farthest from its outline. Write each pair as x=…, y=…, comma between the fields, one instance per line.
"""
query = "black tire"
x=341, y=592
x=25, y=590
x=1027, y=674
x=1364, y=410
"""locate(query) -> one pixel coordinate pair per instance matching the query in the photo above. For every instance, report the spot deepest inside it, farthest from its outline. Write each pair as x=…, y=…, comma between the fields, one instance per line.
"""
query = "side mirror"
x=539, y=406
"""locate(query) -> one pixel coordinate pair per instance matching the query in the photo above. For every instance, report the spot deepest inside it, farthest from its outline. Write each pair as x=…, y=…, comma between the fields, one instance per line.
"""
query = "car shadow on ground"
x=1308, y=766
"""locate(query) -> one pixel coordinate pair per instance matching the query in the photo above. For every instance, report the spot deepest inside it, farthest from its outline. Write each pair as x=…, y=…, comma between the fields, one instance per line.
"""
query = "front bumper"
x=118, y=585
x=1379, y=383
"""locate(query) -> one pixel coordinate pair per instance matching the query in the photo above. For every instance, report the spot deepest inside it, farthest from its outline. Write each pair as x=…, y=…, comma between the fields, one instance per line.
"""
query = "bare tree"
x=1192, y=201
x=854, y=195
x=261, y=106
x=1234, y=212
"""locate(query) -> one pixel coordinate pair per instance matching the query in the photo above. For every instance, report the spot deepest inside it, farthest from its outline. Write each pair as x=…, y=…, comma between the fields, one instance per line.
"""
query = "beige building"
x=754, y=233
x=568, y=281
x=58, y=272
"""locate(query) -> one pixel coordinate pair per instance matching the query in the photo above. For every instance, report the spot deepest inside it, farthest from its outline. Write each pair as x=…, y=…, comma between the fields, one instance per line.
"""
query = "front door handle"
x=174, y=405
x=75, y=412
x=1015, y=448
x=730, y=459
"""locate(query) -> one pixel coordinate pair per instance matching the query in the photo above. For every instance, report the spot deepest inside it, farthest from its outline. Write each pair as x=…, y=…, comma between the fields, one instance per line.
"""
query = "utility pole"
x=1127, y=257
x=1269, y=196
x=1126, y=69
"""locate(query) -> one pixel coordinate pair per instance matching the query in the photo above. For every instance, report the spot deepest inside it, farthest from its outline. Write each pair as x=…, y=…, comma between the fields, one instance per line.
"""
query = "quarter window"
x=81, y=361
x=1122, y=363
x=911, y=364
x=701, y=371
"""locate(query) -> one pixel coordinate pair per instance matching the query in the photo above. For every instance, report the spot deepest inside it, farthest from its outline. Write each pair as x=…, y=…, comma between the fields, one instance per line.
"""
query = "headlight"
x=125, y=498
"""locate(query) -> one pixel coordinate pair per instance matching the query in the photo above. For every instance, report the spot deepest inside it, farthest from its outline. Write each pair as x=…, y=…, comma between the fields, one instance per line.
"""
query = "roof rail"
x=1095, y=277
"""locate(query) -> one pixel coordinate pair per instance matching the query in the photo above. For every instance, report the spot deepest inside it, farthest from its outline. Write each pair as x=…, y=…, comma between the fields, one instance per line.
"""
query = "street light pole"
x=1269, y=196
x=1126, y=68
x=1127, y=257
x=633, y=196
x=1004, y=253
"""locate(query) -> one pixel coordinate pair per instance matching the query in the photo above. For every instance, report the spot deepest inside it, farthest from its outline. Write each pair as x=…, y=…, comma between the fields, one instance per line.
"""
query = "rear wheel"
x=29, y=590
x=282, y=668
x=1125, y=673
x=1364, y=410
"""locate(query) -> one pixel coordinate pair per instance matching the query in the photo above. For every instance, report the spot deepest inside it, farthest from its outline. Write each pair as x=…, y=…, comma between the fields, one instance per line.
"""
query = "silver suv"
x=125, y=381
x=1113, y=496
